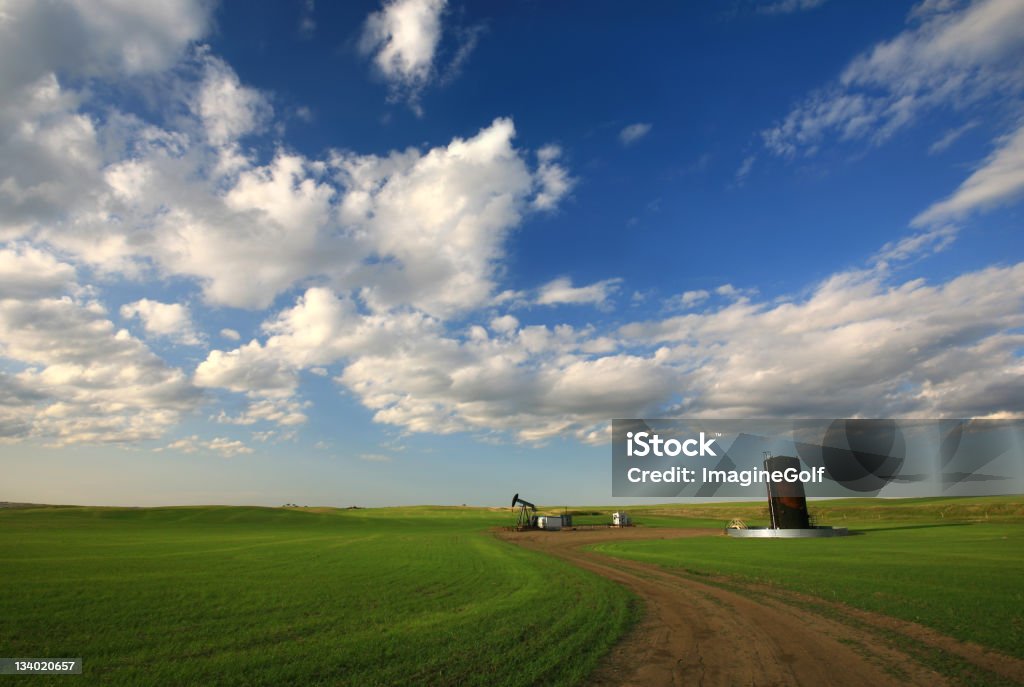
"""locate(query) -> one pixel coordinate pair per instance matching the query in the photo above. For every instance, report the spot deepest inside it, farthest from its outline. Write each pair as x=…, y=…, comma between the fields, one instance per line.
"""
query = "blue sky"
x=423, y=251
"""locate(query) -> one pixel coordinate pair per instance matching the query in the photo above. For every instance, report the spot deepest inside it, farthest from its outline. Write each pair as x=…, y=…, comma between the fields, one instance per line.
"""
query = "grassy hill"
x=224, y=595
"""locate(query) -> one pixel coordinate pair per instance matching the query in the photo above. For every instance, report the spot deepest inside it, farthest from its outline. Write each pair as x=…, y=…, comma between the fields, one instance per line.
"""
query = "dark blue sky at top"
x=666, y=214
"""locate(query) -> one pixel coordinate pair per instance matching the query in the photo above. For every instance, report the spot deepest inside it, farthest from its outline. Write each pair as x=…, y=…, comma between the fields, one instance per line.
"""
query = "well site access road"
x=722, y=632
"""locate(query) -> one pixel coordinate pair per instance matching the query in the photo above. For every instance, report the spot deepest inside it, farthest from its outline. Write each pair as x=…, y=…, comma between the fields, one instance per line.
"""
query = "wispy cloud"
x=948, y=55
x=999, y=179
x=562, y=292
x=950, y=137
x=689, y=299
x=307, y=22
x=916, y=246
x=223, y=445
x=744, y=169
x=788, y=6
x=634, y=132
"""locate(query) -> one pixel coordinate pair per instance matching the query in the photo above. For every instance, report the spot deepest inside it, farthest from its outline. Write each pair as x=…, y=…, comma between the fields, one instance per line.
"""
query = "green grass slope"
x=255, y=596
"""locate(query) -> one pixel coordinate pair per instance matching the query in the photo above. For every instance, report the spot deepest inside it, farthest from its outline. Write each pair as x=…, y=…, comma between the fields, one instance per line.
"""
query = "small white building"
x=621, y=519
x=549, y=522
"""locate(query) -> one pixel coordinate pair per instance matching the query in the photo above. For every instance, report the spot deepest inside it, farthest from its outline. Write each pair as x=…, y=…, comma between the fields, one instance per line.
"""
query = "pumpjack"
x=526, y=517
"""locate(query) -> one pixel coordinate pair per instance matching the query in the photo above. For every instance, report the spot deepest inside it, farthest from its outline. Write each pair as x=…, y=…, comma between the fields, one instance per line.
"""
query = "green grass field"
x=225, y=595
x=952, y=564
x=255, y=596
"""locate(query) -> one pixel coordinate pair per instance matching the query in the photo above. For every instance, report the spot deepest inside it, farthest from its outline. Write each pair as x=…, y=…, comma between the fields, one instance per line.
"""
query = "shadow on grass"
x=910, y=527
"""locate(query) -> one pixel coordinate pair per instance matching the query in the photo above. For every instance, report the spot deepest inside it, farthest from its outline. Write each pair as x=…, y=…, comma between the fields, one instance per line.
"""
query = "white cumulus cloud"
x=228, y=109
x=170, y=320
x=441, y=218
x=27, y=272
x=77, y=378
x=403, y=37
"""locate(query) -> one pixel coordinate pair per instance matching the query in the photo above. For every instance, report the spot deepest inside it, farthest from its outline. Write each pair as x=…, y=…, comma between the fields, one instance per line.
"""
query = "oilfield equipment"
x=526, y=518
x=787, y=501
x=549, y=522
x=787, y=506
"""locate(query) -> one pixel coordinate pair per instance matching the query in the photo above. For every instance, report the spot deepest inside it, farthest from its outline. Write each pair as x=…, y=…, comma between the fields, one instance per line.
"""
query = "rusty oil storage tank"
x=787, y=501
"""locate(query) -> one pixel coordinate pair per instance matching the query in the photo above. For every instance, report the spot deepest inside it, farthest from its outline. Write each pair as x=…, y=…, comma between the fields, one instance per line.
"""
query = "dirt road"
x=699, y=633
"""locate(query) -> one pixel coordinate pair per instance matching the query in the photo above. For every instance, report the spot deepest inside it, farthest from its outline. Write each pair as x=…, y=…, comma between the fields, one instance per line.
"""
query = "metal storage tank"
x=787, y=501
x=549, y=522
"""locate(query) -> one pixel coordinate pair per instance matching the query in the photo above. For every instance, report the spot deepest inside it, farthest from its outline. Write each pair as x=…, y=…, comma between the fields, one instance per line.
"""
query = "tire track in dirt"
x=696, y=633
